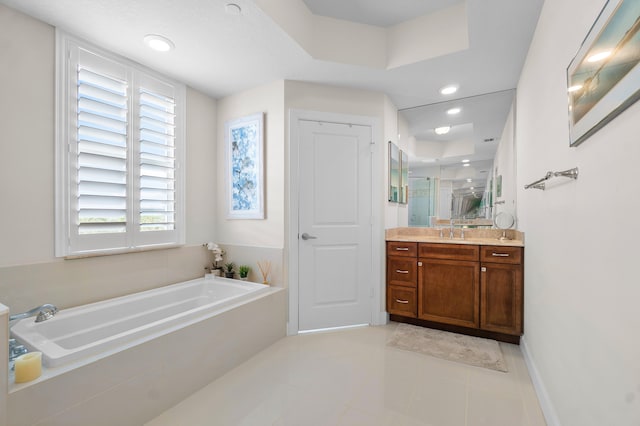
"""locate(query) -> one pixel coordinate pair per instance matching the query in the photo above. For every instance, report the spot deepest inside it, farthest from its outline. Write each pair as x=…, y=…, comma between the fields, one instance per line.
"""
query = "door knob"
x=306, y=237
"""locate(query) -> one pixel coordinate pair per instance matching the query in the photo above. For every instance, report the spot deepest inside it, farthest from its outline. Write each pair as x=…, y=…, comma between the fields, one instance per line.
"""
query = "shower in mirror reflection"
x=465, y=192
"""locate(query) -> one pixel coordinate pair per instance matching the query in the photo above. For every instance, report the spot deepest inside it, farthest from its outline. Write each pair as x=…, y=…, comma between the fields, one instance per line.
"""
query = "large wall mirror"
x=455, y=170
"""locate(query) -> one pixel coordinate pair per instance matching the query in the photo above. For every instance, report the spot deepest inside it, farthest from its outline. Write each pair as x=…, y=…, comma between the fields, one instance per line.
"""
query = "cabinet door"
x=449, y=292
x=501, y=298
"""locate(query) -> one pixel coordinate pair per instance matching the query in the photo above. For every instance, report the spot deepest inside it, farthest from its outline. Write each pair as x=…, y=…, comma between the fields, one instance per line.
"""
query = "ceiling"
x=221, y=54
x=480, y=45
x=382, y=13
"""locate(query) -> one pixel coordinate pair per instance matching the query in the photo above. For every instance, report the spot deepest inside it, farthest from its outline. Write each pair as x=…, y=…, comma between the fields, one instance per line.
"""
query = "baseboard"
x=548, y=410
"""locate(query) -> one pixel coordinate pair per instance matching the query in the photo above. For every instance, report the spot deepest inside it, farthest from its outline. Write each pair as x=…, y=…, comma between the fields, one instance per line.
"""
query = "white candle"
x=28, y=367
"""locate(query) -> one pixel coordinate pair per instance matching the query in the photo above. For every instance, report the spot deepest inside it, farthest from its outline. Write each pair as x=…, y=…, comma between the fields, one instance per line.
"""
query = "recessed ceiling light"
x=599, y=56
x=454, y=111
x=442, y=130
x=472, y=188
x=469, y=180
x=449, y=90
x=465, y=161
x=574, y=88
x=466, y=165
x=158, y=43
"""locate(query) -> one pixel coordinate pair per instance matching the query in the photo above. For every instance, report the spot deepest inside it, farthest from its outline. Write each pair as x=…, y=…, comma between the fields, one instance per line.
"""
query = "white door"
x=334, y=219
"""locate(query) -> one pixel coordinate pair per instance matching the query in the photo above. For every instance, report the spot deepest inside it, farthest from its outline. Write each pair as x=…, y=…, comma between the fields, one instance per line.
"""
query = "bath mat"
x=450, y=346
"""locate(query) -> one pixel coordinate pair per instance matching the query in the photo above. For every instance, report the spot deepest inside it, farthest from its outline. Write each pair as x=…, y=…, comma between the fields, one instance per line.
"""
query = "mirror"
x=404, y=177
x=452, y=147
x=394, y=173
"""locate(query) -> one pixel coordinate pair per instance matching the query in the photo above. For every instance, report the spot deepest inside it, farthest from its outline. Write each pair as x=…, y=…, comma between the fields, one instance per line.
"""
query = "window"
x=119, y=153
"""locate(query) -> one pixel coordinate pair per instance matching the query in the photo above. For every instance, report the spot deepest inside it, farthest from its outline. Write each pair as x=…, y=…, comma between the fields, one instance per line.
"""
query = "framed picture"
x=604, y=77
x=245, y=172
x=394, y=173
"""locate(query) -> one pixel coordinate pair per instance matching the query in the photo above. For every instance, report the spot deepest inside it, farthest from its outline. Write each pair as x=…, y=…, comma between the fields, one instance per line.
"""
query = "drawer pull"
x=405, y=302
x=400, y=271
x=500, y=254
x=402, y=248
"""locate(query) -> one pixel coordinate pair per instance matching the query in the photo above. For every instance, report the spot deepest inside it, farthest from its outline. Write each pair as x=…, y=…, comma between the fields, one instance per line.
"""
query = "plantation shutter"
x=157, y=162
x=101, y=153
x=119, y=150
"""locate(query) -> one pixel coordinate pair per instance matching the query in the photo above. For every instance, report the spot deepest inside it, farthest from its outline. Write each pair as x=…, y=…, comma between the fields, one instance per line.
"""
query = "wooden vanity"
x=472, y=285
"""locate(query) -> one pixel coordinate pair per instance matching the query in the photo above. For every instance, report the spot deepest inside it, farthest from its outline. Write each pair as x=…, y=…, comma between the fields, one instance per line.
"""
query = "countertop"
x=482, y=237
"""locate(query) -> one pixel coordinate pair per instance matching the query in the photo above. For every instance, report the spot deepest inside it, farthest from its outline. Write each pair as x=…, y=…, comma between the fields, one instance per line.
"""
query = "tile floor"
x=350, y=377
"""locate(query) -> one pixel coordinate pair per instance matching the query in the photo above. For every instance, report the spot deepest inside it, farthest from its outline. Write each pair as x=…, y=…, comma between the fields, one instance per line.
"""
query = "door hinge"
x=372, y=147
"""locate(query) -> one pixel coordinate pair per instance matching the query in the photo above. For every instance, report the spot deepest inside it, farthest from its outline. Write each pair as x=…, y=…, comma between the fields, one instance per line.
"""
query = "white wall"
x=248, y=241
x=581, y=276
x=29, y=273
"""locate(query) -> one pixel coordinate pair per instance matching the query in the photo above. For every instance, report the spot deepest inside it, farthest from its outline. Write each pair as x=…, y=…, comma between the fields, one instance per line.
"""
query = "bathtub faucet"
x=44, y=312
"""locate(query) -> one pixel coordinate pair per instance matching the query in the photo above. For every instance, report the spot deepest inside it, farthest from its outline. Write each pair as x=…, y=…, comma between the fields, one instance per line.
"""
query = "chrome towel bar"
x=540, y=183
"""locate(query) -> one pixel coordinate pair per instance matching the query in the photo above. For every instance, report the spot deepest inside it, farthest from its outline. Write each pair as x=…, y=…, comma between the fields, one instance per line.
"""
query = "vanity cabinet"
x=467, y=288
x=501, y=289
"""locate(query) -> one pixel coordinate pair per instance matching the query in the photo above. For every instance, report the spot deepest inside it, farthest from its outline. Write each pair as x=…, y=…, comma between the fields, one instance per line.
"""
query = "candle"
x=28, y=367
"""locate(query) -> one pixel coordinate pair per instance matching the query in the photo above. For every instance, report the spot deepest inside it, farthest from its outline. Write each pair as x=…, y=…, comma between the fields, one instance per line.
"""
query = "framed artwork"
x=604, y=77
x=394, y=173
x=244, y=142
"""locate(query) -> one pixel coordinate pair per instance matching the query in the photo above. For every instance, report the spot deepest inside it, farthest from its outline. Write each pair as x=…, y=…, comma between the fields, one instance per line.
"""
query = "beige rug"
x=450, y=346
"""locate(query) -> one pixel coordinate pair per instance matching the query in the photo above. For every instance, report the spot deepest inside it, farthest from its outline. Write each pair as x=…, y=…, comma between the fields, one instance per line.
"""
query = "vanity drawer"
x=501, y=254
x=402, y=271
x=399, y=248
x=449, y=251
x=402, y=301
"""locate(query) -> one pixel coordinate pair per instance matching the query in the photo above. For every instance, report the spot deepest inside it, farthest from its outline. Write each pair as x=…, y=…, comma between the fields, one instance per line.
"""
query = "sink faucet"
x=451, y=230
x=44, y=312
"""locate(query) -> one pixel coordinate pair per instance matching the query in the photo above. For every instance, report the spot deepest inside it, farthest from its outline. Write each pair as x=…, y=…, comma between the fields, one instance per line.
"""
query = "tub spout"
x=44, y=312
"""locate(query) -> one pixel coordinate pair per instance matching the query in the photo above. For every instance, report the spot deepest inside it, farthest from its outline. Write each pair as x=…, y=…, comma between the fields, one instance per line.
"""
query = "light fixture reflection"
x=442, y=130
x=599, y=56
x=449, y=90
x=454, y=111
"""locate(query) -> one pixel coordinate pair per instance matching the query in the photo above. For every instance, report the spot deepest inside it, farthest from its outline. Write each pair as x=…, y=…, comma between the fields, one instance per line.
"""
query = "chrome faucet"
x=15, y=350
x=44, y=312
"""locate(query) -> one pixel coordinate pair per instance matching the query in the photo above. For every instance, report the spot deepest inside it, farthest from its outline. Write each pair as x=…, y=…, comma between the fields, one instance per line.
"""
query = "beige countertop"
x=482, y=237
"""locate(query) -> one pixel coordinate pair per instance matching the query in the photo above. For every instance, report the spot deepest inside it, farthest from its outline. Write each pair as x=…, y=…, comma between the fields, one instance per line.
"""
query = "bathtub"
x=103, y=327
x=126, y=360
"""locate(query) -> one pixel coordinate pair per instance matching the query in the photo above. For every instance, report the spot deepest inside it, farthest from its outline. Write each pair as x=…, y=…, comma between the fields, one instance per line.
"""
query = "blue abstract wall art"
x=244, y=143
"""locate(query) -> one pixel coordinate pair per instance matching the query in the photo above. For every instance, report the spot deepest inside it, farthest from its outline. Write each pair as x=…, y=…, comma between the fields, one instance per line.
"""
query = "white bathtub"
x=105, y=326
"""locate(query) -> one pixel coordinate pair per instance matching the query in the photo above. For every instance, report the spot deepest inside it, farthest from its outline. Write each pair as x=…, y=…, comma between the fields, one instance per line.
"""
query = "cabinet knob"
x=483, y=269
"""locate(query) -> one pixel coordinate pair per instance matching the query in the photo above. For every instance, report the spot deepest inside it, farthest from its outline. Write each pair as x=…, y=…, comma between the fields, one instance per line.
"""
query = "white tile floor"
x=350, y=377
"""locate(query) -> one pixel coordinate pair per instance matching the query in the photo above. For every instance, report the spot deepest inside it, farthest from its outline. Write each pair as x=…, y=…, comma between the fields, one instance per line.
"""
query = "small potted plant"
x=229, y=269
x=243, y=270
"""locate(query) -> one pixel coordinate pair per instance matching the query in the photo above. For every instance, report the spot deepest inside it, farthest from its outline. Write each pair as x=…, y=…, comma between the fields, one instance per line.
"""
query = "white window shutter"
x=102, y=154
x=119, y=150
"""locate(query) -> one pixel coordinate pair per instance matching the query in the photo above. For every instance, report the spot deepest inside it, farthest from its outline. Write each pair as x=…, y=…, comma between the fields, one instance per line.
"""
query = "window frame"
x=68, y=241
